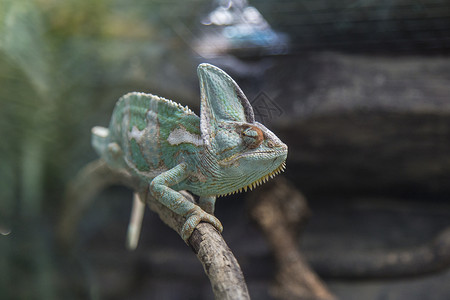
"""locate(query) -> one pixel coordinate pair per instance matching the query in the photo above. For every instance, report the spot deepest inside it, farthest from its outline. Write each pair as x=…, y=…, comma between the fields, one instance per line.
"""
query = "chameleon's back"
x=141, y=134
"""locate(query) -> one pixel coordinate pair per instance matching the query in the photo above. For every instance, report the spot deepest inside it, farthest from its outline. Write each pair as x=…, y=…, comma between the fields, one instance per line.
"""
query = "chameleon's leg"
x=160, y=189
x=207, y=204
x=134, y=227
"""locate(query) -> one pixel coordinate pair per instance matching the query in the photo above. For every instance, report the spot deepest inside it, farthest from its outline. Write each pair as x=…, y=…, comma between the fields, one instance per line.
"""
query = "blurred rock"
x=360, y=123
x=362, y=26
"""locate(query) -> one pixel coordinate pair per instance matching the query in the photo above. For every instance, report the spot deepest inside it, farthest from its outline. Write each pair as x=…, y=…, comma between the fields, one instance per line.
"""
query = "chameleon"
x=168, y=148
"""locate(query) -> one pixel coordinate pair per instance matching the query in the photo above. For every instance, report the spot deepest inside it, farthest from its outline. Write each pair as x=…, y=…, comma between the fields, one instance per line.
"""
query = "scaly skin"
x=169, y=148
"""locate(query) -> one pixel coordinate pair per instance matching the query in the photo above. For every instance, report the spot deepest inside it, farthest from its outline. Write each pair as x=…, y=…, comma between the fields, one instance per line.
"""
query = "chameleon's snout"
x=283, y=148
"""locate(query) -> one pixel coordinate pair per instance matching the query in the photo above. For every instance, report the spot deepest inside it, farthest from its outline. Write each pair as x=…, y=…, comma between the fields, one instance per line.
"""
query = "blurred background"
x=359, y=90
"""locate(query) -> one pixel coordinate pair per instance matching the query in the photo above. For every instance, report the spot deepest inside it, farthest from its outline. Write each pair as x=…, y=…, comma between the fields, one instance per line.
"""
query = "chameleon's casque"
x=170, y=148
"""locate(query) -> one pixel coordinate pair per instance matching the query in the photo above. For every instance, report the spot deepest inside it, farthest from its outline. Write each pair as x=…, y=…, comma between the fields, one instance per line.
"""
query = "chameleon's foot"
x=194, y=217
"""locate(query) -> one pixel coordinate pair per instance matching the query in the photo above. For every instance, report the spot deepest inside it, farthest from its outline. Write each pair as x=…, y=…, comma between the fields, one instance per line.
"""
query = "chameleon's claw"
x=195, y=216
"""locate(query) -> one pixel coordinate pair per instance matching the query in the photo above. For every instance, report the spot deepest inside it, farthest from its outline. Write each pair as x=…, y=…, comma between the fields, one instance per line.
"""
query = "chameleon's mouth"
x=241, y=155
x=261, y=180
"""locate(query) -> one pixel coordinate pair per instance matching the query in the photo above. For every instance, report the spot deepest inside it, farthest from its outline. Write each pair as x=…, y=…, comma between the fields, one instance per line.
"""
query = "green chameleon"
x=169, y=148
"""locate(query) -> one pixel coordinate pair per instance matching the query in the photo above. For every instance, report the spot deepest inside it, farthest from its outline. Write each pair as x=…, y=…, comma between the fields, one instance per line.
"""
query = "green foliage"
x=63, y=65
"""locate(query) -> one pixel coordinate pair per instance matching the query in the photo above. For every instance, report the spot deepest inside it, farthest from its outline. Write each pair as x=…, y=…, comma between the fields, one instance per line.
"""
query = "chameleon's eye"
x=253, y=136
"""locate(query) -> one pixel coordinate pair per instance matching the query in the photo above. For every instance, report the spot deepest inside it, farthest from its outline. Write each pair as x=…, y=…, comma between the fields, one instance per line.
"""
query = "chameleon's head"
x=247, y=153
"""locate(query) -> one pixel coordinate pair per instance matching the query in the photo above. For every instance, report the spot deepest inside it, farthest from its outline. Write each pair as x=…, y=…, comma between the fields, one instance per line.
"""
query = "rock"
x=360, y=123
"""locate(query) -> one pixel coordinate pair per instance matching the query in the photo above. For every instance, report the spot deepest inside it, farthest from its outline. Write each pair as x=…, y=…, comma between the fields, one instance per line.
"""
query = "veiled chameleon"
x=170, y=148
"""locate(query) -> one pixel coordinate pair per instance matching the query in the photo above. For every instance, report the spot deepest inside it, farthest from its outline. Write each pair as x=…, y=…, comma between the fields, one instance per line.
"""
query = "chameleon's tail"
x=134, y=227
x=106, y=148
x=100, y=140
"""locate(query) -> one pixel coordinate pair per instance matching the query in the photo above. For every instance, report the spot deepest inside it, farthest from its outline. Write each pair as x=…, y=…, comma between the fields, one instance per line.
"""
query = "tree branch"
x=219, y=263
x=281, y=211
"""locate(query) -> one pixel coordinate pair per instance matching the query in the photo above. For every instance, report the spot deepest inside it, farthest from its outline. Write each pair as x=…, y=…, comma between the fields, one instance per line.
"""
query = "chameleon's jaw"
x=259, y=181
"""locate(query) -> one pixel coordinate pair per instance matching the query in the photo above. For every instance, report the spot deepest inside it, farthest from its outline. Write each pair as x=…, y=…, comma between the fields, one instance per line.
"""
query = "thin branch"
x=281, y=211
x=219, y=263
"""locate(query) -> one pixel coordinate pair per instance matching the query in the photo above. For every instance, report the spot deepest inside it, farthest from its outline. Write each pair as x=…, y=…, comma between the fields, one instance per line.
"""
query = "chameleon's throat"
x=259, y=181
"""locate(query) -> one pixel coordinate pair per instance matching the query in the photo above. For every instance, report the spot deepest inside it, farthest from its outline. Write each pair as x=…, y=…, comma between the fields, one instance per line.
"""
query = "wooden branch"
x=281, y=211
x=219, y=263
x=80, y=193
